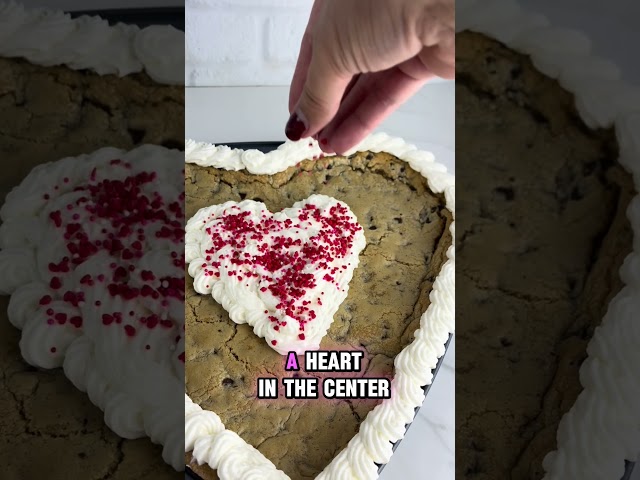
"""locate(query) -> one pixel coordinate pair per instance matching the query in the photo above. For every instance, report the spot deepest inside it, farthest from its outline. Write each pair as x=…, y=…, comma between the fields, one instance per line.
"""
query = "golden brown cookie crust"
x=555, y=267
x=407, y=232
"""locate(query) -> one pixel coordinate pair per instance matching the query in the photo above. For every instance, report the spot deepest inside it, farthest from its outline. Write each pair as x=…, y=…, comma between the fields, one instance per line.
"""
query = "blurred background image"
x=91, y=236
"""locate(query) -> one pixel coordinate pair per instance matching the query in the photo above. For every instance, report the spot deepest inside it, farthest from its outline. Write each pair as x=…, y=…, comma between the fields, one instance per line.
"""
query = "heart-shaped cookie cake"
x=546, y=131
x=382, y=215
x=284, y=274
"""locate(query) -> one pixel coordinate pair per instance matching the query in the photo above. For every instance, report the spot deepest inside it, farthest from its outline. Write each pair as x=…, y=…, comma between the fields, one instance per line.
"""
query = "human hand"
x=360, y=60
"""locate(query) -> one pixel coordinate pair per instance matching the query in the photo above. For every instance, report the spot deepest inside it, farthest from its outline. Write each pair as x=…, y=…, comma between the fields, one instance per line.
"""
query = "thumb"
x=320, y=98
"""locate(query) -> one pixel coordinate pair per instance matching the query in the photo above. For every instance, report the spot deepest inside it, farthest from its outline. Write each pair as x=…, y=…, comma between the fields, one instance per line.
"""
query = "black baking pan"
x=267, y=147
x=628, y=470
x=142, y=17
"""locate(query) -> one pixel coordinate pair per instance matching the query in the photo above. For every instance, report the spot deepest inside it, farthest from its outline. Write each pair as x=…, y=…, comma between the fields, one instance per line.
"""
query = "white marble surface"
x=237, y=114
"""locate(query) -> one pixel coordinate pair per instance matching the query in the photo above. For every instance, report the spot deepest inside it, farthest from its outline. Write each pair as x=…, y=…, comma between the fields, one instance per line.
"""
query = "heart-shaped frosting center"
x=285, y=274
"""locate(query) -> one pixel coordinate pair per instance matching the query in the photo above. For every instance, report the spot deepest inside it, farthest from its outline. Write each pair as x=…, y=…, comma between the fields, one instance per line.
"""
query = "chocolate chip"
x=136, y=135
x=173, y=145
x=506, y=193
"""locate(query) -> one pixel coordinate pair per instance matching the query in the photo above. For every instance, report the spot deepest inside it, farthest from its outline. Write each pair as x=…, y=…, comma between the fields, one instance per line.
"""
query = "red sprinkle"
x=125, y=213
x=46, y=300
x=76, y=321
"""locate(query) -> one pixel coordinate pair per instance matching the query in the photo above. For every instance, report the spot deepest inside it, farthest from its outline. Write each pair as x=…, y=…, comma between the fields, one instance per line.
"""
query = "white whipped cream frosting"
x=231, y=456
x=249, y=300
x=50, y=37
x=602, y=429
x=223, y=449
x=136, y=387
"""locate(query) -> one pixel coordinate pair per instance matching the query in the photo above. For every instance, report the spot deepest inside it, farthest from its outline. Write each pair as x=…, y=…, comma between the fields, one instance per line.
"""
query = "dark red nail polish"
x=295, y=128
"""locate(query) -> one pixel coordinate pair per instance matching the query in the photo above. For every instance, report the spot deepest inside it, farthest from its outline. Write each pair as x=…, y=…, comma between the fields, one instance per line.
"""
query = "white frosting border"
x=602, y=429
x=50, y=37
x=233, y=458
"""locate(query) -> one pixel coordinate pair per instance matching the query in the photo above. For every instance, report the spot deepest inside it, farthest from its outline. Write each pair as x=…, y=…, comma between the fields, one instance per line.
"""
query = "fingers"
x=304, y=58
x=300, y=73
x=360, y=88
x=439, y=60
x=352, y=83
x=370, y=101
x=320, y=97
x=328, y=96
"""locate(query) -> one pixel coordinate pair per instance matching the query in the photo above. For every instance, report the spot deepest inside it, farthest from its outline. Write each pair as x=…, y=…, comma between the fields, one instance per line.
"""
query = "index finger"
x=304, y=57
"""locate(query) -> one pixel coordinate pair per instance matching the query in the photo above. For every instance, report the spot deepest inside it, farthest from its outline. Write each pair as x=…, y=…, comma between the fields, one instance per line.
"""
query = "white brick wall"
x=243, y=42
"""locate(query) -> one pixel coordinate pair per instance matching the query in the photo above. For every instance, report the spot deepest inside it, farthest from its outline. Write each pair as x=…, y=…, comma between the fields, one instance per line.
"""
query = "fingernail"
x=295, y=127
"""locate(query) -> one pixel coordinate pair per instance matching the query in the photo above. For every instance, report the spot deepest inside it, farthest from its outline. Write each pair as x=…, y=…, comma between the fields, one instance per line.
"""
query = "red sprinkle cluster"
x=282, y=264
x=117, y=217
